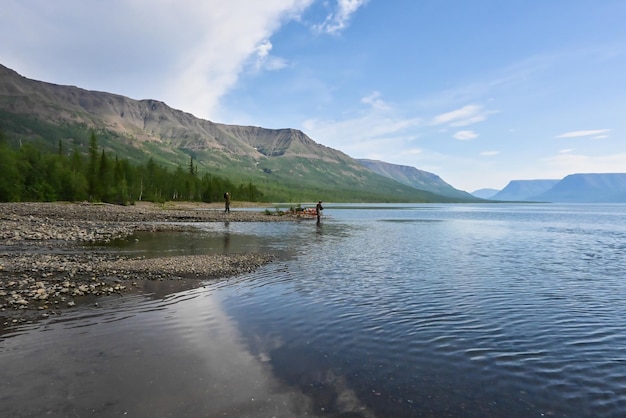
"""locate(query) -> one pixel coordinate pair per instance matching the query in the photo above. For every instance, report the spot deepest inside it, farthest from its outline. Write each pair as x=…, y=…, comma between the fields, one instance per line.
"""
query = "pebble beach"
x=48, y=262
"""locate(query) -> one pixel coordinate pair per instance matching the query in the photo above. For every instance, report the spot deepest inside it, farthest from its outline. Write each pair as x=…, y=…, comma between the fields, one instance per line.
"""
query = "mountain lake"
x=432, y=310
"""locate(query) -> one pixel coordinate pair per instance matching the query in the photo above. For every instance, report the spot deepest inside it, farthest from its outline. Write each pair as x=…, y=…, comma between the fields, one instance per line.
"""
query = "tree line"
x=28, y=173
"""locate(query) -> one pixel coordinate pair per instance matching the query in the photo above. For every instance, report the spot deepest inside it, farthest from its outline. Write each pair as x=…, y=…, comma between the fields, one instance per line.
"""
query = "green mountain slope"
x=418, y=179
x=284, y=164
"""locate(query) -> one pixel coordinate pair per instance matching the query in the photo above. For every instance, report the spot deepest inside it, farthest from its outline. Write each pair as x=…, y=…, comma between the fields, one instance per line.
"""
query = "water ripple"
x=503, y=310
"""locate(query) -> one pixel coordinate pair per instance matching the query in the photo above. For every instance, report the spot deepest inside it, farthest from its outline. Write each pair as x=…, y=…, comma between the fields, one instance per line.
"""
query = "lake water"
x=381, y=311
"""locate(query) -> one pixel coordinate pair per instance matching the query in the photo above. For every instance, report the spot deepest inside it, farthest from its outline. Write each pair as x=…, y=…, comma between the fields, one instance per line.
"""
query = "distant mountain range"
x=524, y=189
x=588, y=188
x=575, y=188
x=485, y=193
x=282, y=163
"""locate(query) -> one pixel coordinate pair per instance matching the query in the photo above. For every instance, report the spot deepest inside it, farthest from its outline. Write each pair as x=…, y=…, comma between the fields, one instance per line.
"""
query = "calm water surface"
x=382, y=311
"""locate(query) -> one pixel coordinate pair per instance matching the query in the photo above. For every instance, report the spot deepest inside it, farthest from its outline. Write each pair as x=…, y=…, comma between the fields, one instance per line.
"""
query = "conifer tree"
x=92, y=167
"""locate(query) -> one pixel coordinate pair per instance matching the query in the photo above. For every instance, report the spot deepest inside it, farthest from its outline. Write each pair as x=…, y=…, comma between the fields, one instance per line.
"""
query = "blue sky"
x=479, y=92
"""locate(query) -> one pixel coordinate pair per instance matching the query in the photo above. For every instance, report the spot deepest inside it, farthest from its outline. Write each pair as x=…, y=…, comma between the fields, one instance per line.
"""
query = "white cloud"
x=367, y=132
x=211, y=67
x=576, y=134
x=467, y=115
x=489, y=153
x=569, y=163
x=264, y=48
x=187, y=56
x=462, y=113
x=374, y=100
x=377, y=124
x=338, y=20
x=465, y=135
x=264, y=61
x=274, y=63
x=376, y=131
x=469, y=121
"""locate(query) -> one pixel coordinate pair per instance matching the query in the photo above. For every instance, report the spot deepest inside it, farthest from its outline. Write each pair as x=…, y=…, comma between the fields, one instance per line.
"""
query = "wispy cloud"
x=467, y=115
x=413, y=151
x=263, y=49
x=338, y=20
x=465, y=135
x=375, y=127
x=569, y=163
x=598, y=133
x=265, y=61
x=210, y=67
x=353, y=133
x=375, y=101
x=489, y=153
x=189, y=57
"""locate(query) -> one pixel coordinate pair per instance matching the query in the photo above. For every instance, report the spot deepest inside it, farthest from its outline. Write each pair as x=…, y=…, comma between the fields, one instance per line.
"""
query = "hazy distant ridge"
x=588, y=188
x=418, y=179
x=485, y=193
x=575, y=188
x=523, y=190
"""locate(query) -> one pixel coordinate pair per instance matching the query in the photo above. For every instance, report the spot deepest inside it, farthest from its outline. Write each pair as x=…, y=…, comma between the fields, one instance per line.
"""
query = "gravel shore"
x=46, y=264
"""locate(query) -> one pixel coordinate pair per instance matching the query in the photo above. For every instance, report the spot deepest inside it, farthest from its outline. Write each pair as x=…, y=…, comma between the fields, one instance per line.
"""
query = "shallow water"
x=396, y=310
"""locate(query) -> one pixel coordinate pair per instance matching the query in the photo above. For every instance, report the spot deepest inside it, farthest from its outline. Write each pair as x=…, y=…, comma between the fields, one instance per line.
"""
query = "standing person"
x=227, y=202
x=318, y=210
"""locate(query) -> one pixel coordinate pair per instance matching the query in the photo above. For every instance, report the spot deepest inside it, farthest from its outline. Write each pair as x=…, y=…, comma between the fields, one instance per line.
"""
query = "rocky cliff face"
x=151, y=120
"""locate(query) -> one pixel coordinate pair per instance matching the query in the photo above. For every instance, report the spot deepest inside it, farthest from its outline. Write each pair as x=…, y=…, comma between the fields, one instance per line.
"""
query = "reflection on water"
x=177, y=357
x=427, y=310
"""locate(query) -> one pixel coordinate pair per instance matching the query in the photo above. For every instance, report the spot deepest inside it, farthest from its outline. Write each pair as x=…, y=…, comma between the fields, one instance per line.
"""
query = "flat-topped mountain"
x=574, y=188
x=588, y=188
x=283, y=163
x=523, y=190
x=149, y=120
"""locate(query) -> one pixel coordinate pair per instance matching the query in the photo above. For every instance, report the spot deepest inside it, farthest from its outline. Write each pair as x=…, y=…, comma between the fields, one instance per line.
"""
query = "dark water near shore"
x=386, y=311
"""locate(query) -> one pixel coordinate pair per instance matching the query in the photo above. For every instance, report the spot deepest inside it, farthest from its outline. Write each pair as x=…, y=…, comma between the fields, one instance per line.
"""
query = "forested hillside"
x=278, y=165
x=33, y=172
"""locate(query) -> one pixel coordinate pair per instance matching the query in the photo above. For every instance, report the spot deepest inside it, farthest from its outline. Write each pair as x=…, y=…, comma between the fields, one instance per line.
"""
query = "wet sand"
x=48, y=262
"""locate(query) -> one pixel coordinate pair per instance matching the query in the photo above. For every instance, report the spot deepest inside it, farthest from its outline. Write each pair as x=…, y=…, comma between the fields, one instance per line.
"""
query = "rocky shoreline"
x=47, y=264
